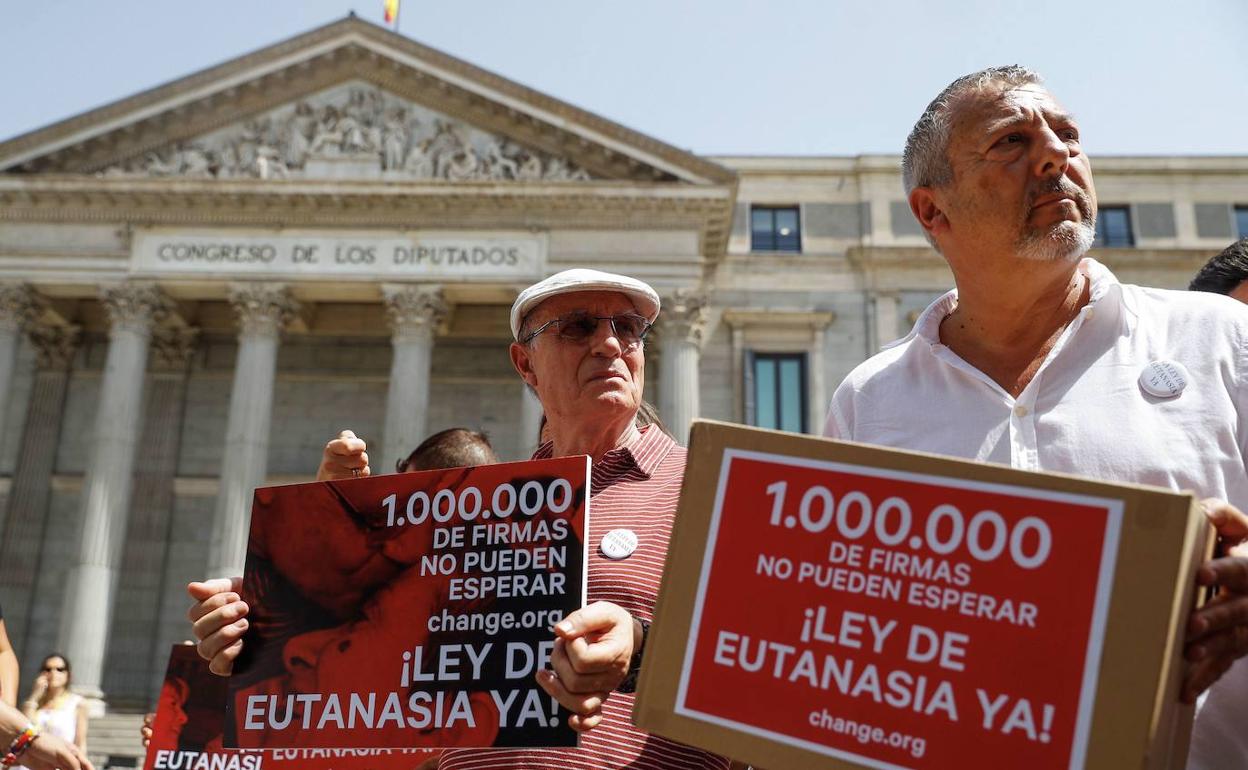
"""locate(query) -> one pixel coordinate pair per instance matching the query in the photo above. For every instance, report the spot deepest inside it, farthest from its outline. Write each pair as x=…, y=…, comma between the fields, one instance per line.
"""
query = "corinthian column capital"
x=172, y=347
x=263, y=309
x=19, y=305
x=684, y=316
x=134, y=306
x=55, y=345
x=414, y=309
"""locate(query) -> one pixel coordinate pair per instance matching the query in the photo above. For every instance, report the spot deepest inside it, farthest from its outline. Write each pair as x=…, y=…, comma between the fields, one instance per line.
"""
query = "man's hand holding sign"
x=591, y=658
x=1217, y=633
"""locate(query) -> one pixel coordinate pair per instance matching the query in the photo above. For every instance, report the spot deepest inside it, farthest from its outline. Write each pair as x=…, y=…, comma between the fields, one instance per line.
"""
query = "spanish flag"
x=392, y=12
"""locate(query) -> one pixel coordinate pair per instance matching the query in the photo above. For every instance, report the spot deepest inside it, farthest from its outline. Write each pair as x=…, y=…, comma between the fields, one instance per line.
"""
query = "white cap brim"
x=644, y=298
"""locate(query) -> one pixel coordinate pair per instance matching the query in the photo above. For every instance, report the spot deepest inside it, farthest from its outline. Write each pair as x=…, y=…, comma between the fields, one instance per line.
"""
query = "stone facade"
x=228, y=248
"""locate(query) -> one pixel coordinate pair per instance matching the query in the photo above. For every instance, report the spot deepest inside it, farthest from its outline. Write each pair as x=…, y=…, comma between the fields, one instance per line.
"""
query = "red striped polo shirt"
x=634, y=487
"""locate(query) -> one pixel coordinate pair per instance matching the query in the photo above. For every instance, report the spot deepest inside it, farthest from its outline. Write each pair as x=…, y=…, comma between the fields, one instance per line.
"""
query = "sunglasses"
x=629, y=328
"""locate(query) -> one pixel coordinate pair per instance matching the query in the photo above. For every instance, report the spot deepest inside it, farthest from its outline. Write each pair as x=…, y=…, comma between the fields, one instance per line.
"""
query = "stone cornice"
x=912, y=257
x=740, y=318
x=894, y=256
x=752, y=166
x=332, y=54
x=900, y=268
x=273, y=203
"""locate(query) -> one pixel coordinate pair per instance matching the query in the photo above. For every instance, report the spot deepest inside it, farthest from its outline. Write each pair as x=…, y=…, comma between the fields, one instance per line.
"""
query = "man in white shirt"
x=1040, y=359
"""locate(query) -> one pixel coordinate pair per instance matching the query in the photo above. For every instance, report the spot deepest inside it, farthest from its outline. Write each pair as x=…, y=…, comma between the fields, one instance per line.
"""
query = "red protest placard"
x=831, y=605
x=411, y=609
x=882, y=589
x=190, y=718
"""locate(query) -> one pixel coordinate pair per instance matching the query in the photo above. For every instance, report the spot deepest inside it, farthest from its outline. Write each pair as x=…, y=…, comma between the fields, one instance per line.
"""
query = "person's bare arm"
x=30, y=706
x=8, y=669
x=46, y=752
x=80, y=735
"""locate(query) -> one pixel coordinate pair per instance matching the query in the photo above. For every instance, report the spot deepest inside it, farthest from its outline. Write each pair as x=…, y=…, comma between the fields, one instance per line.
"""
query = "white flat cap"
x=644, y=298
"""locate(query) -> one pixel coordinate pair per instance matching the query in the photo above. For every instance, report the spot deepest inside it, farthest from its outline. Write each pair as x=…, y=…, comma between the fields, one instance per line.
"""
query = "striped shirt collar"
x=641, y=456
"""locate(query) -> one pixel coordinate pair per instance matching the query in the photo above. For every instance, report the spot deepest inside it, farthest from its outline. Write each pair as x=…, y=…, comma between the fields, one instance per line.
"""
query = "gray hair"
x=925, y=161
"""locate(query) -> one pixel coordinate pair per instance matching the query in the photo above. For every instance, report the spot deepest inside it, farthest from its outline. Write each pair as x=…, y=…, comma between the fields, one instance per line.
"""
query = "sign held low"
x=828, y=604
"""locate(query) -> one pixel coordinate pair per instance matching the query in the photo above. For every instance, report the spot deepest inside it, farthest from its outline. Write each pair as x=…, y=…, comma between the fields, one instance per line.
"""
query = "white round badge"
x=1164, y=379
x=619, y=544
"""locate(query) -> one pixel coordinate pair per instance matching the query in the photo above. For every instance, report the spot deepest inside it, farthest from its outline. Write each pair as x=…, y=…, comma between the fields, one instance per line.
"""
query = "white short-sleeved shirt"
x=1085, y=412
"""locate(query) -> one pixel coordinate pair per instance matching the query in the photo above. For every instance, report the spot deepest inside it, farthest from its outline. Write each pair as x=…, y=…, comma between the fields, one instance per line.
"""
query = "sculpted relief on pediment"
x=353, y=131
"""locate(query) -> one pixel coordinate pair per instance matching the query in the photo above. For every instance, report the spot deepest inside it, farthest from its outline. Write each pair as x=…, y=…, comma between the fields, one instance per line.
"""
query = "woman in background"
x=52, y=708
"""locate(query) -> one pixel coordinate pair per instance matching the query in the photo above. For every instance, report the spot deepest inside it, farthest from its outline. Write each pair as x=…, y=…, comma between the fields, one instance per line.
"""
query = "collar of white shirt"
x=1104, y=284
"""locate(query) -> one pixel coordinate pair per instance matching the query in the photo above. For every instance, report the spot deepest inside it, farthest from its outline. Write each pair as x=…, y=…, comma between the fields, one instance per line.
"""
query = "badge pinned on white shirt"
x=618, y=544
x=1164, y=379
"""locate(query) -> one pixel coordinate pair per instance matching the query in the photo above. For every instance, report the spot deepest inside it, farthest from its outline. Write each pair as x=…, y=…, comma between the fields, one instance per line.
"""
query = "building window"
x=778, y=388
x=775, y=228
x=1113, y=228
x=1241, y=221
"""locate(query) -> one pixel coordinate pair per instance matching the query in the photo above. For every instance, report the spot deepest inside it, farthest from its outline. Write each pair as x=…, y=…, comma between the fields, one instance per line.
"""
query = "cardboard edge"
x=1173, y=720
x=654, y=709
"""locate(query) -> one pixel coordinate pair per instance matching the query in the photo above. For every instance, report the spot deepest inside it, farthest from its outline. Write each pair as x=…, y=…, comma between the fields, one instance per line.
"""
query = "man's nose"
x=605, y=342
x=1052, y=154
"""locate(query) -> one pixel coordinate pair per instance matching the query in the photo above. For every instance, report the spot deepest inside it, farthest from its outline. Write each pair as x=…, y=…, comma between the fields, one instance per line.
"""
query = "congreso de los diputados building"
x=204, y=282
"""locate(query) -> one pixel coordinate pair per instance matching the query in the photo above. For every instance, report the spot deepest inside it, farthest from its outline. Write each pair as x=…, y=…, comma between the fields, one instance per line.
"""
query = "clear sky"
x=813, y=77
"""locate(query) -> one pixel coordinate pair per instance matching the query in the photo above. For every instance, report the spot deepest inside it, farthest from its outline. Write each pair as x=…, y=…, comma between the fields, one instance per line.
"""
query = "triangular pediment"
x=353, y=131
x=350, y=100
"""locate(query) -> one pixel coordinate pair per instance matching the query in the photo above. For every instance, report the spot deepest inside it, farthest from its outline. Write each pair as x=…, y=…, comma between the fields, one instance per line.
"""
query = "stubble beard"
x=1063, y=241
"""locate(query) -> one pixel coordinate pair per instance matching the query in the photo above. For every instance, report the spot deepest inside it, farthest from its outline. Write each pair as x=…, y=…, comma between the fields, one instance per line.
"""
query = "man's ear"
x=523, y=363
x=925, y=208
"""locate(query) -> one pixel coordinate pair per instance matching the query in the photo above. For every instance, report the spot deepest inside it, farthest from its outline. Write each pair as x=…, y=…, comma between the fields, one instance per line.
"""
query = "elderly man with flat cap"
x=1041, y=359
x=579, y=344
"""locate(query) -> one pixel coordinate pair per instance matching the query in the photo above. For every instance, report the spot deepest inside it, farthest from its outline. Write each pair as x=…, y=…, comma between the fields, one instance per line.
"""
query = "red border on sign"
x=1091, y=609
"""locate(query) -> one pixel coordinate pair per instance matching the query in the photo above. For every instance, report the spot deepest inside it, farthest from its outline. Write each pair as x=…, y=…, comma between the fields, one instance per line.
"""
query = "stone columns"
x=105, y=501
x=133, y=656
x=886, y=321
x=682, y=326
x=21, y=543
x=530, y=422
x=415, y=312
x=738, y=371
x=18, y=306
x=263, y=311
x=818, y=401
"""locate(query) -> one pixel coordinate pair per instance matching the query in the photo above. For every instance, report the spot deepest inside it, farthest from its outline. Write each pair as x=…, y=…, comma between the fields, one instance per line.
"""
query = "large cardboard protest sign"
x=190, y=719
x=410, y=610
x=833, y=605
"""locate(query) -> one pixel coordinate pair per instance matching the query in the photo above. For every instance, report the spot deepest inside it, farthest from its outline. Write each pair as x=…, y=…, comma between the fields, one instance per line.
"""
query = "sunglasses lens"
x=578, y=327
x=630, y=328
